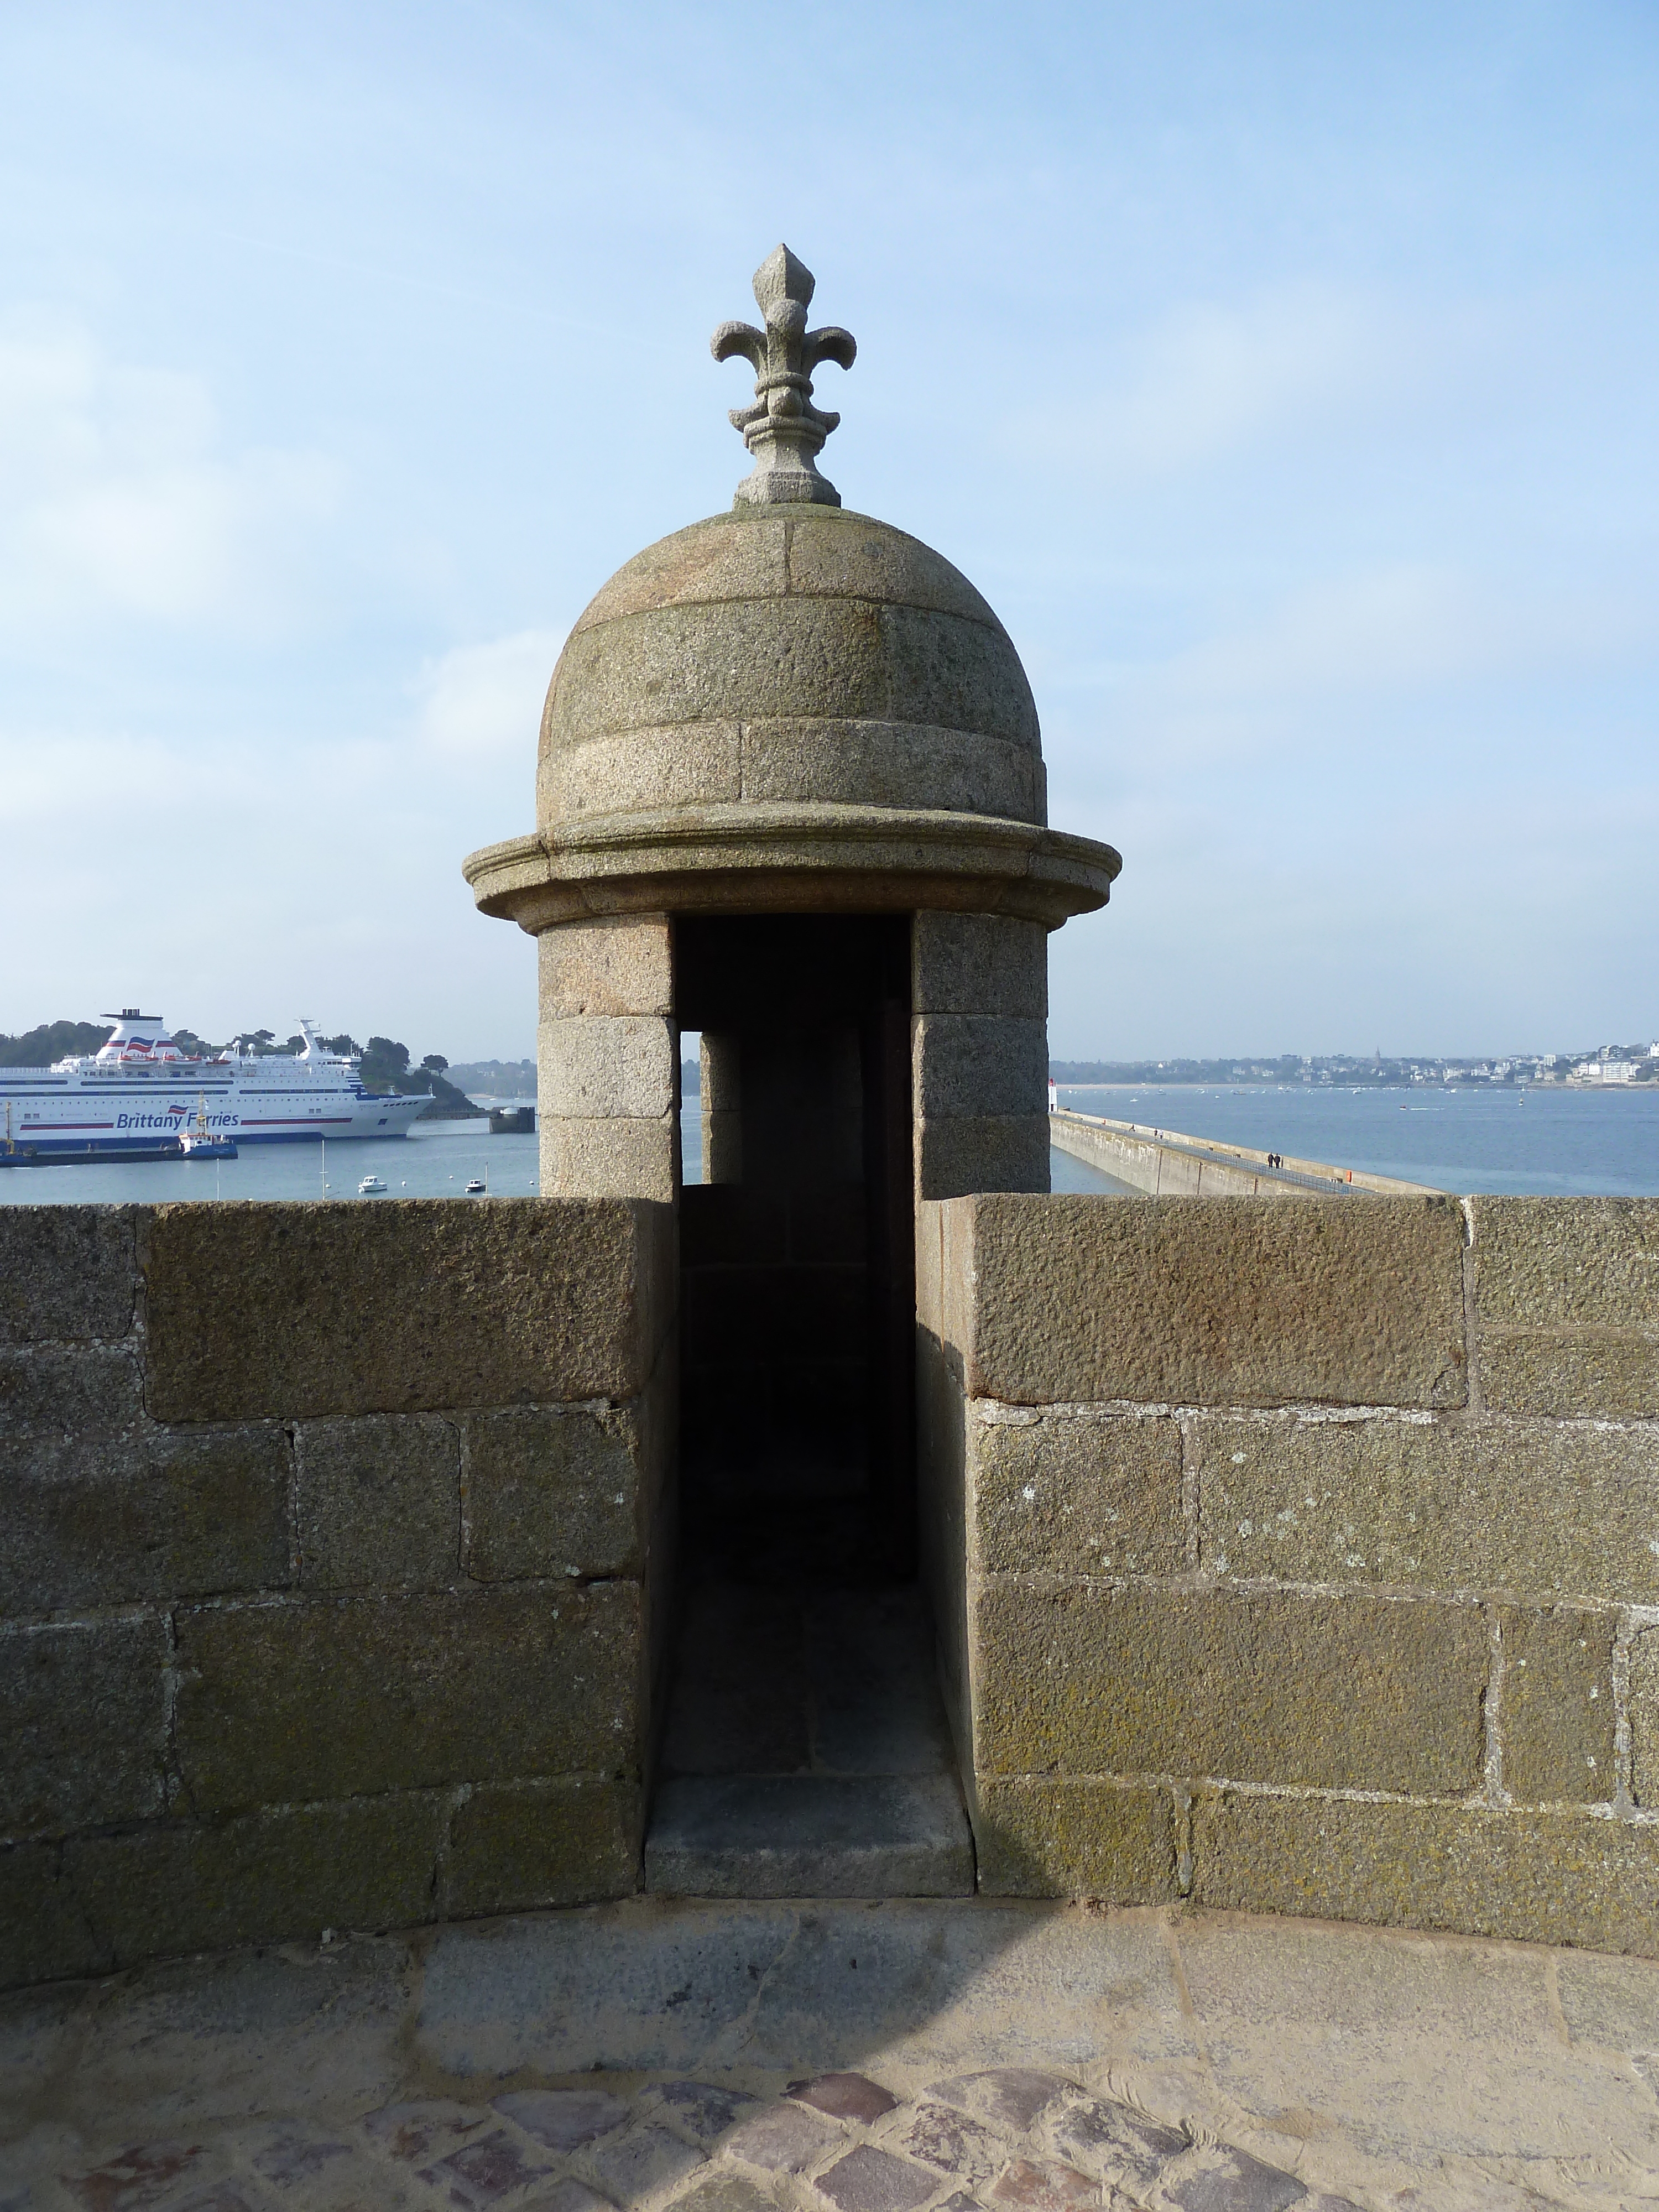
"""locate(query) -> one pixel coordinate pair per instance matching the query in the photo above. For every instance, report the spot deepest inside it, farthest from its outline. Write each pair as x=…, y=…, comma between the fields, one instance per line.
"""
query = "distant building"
x=1605, y=1071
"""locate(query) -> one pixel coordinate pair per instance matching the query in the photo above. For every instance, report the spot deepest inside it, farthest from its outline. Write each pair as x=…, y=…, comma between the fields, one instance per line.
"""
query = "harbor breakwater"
x=1167, y=1163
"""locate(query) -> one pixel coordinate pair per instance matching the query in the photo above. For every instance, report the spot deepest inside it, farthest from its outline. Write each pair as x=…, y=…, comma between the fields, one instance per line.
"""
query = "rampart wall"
x=1293, y=1559
x=330, y=1547
x=1303, y=1559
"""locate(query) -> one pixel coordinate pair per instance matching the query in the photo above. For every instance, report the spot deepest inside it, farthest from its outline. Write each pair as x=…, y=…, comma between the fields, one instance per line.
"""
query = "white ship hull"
x=134, y=1101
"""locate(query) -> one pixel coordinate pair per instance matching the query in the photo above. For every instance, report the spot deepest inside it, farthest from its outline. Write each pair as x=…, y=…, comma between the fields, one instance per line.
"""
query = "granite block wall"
x=1298, y=1559
x=1303, y=1559
x=331, y=1540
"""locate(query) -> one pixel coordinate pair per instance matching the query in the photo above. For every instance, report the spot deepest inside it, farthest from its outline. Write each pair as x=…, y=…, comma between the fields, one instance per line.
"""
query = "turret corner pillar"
x=608, y=1050
x=979, y=1047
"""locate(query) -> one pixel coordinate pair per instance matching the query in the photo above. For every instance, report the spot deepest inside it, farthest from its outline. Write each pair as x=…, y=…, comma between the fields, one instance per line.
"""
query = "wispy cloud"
x=118, y=494
x=1333, y=654
x=1210, y=376
x=485, y=700
x=46, y=777
x=1403, y=626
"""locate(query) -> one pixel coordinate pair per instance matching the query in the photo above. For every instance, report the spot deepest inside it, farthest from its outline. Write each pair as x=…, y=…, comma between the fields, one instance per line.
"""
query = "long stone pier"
x=1166, y=1164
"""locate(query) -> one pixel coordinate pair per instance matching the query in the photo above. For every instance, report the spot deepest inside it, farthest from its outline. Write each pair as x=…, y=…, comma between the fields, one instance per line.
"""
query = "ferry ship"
x=135, y=1097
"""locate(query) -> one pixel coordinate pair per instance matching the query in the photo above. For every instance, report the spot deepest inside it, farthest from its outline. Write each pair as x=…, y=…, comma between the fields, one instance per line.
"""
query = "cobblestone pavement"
x=1008, y=2136
x=989, y=2057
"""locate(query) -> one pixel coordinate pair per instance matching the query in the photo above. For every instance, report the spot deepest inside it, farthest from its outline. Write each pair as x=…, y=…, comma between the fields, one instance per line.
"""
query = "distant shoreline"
x=1479, y=1088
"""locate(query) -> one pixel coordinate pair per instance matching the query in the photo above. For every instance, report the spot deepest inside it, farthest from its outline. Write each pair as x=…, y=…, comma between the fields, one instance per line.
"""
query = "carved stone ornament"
x=783, y=430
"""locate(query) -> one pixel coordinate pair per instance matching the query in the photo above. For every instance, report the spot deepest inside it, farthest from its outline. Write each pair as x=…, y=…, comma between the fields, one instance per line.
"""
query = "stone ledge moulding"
x=747, y=858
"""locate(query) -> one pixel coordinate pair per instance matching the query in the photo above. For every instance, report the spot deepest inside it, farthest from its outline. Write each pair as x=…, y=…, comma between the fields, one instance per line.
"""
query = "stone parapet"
x=1569, y=1299
x=332, y=1543
x=1222, y=1302
x=274, y=1311
x=1260, y=1582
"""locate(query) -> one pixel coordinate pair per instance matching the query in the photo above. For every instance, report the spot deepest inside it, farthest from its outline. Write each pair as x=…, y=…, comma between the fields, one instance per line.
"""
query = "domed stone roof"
x=790, y=707
x=789, y=653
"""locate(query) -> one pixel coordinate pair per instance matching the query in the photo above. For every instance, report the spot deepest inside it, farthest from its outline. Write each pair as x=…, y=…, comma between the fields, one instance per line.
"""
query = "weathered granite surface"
x=333, y=1544
x=1258, y=1582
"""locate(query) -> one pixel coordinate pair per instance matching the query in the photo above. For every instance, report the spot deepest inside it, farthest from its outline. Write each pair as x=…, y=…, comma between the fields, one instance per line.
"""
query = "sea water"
x=1455, y=1139
x=436, y=1159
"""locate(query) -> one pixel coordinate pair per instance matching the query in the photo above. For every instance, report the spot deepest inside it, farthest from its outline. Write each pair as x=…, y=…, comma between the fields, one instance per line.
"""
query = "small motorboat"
x=200, y=1142
x=205, y=1144
x=477, y=1187
x=370, y=1187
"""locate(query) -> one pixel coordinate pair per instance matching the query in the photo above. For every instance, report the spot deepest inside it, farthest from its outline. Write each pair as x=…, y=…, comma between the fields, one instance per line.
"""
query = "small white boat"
x=477, y=1187
x=370, y=1187
x=201, y=1141
x=206, y=1145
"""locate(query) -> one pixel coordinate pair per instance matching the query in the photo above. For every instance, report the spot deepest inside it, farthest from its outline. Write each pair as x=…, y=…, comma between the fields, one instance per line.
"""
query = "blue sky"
x=1287, y=376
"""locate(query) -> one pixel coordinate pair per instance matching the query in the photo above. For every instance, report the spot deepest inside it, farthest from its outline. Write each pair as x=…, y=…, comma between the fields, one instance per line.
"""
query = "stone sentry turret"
x=789, y=710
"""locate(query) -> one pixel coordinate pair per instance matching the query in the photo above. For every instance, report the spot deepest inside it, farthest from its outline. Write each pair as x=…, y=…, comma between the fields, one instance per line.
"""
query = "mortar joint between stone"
x=463, y=1500
x=295, y=1543
x=137, y=1328
x=1624, y=1750
x=457, y=1798
x=174, y=1788
x=1492, y=1791
x=1210, y=1786
x=1188, y=1582
x=62, y=1617
x=1183, y=1834
x=1190, y=1496
x=1475, y=1393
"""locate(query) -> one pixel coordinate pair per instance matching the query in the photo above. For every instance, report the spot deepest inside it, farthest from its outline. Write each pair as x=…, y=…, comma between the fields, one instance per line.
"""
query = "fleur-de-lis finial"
x=783, y=430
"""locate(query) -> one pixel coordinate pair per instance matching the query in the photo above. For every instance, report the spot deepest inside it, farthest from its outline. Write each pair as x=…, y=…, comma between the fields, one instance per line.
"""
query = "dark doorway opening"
x=806, y=1751
x=797, y=1252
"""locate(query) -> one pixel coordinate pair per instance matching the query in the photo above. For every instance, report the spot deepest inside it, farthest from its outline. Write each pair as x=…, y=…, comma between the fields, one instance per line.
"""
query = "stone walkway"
x=925, y=2057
